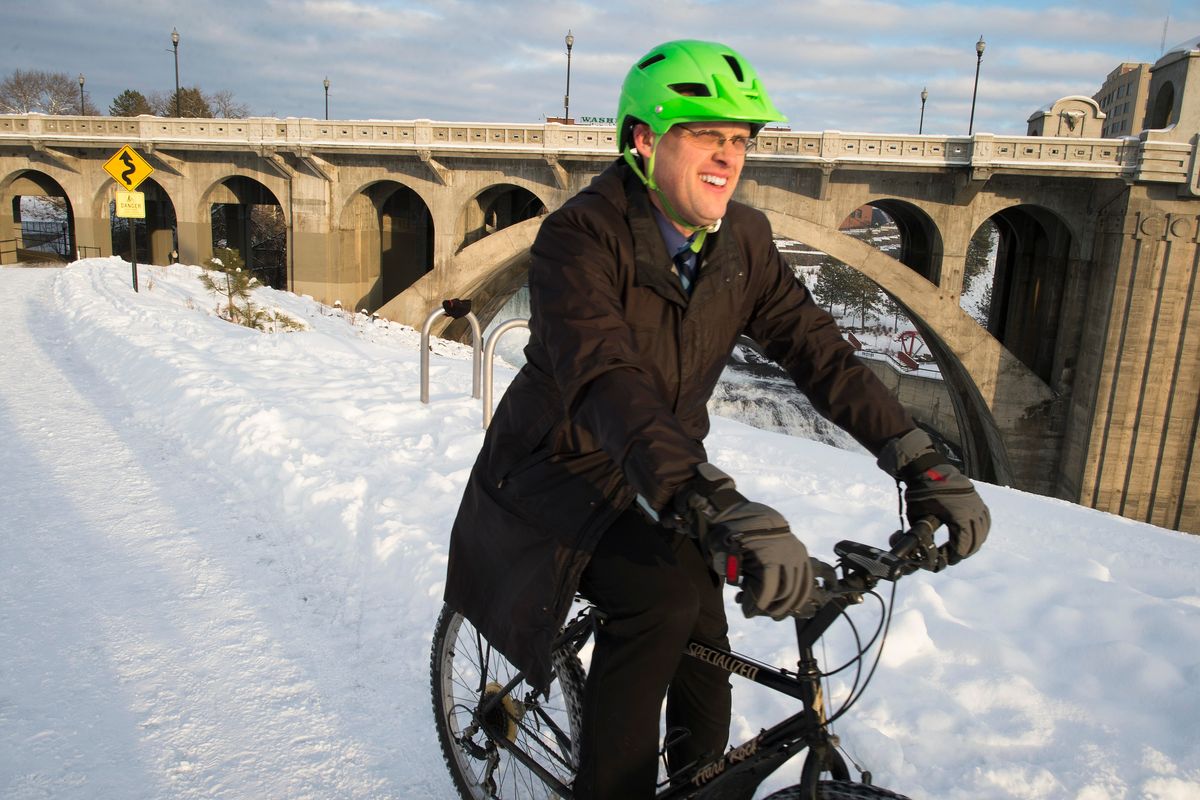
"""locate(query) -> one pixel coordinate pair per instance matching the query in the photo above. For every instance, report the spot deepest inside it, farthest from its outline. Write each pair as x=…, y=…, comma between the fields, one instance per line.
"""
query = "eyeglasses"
x=715, y=140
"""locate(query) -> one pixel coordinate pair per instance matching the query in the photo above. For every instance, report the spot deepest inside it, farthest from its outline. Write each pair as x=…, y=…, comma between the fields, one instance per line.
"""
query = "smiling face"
x=697, y=180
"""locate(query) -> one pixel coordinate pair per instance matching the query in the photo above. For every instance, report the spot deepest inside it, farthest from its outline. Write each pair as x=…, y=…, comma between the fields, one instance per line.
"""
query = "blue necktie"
x=686, y=263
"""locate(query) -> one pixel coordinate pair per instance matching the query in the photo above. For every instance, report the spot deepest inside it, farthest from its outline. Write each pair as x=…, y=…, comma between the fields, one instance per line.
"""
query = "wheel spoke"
x=467, y=671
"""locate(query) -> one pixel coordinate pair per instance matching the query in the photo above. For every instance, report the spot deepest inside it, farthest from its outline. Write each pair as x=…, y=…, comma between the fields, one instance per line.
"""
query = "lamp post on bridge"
x=81, y=94
x=567, y=97
x=175, y=46
x=924, y=97
x=326, y=97
x=978, y=60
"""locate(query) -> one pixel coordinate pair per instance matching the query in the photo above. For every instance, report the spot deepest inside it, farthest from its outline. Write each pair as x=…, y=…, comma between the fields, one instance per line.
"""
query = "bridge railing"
x=1137, y=158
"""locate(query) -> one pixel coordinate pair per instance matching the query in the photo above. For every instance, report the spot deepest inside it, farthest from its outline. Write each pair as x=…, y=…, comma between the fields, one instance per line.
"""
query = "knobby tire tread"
x=525, y=784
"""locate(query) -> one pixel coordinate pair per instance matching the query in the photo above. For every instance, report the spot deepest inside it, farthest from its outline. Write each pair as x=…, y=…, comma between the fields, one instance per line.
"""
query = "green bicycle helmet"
x=688, y=81
x=692, y=81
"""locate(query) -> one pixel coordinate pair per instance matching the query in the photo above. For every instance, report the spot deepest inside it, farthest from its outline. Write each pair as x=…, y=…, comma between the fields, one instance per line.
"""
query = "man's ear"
x=643, y=139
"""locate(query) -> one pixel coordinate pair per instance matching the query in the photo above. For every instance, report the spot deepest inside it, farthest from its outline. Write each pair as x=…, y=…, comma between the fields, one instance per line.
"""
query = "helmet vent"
x=736, y=66
x=654, y=59
x=690, y=89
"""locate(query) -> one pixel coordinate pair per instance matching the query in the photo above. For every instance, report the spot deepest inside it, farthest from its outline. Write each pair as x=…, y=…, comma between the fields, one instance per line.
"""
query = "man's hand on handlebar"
x=936, y=489
x=747, y=541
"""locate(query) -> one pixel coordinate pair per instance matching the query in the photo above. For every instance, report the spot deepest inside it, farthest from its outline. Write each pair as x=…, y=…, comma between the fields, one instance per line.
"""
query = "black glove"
x=936, y=489
x=776, y=575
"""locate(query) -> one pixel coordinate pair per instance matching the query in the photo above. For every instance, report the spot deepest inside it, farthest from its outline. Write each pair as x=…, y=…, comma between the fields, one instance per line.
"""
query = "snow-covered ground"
x=223, y=554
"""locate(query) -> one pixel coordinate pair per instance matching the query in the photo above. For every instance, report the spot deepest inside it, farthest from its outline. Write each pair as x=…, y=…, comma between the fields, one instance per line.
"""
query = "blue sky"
x=850, y=65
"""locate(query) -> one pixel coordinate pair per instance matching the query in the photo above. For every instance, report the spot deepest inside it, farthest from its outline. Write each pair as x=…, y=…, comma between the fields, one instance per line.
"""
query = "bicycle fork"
x=822, y=751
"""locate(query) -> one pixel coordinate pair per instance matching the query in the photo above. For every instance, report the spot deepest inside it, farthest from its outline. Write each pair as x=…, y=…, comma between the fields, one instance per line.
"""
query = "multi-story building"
x=1135, y=97
x=1123, y=99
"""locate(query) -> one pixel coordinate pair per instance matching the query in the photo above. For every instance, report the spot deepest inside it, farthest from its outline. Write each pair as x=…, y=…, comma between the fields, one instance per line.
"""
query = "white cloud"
x=837, y=64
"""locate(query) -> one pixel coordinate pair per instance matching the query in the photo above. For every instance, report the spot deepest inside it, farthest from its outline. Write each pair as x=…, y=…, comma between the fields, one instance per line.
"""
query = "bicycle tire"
x=463, y=668
x=839, y=790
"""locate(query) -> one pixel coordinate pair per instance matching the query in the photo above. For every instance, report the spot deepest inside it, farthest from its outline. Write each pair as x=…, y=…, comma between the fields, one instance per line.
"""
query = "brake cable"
x=878, y=656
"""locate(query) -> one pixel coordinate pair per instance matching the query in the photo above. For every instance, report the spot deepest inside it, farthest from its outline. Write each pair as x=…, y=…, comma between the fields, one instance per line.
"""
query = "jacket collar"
x=652, y=262
x=720, y=258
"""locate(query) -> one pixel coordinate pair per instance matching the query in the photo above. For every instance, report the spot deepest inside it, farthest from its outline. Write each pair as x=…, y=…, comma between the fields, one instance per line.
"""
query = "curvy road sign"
x=128, y=168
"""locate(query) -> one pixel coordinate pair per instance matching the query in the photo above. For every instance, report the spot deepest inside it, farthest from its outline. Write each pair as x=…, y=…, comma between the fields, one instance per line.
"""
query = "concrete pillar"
x=9, y=229
x=195, y=241
x=162, y=242
x=93, y=236
x=1134, y=448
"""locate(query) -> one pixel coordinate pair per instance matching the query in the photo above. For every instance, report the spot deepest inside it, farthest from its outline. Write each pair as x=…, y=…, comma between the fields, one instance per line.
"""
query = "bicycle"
x=501, y=738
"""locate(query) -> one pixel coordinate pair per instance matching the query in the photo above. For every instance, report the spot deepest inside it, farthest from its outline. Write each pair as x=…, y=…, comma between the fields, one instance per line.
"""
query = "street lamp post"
x=924, y=97
x=978, y=59
x=175, y=45
x=326, y=97
x=567, y=97
x=81, y=94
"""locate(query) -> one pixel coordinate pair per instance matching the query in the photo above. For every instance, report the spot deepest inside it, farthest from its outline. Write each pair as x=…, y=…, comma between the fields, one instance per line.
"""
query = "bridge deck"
x=1130, y=158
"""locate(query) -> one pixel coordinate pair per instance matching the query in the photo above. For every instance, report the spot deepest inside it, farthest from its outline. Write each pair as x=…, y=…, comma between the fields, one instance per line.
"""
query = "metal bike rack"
x=476, y=360
x=489, y=355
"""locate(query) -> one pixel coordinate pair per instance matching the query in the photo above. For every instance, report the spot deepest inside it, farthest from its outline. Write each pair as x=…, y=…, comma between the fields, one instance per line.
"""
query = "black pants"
x=655, y=592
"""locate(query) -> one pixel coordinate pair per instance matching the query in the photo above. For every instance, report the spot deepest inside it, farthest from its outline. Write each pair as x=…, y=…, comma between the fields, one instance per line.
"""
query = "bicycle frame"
x=738, y=773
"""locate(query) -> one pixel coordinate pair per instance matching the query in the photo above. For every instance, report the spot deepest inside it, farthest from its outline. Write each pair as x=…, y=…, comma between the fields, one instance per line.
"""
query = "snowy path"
x=190, y=672
x=222, y=553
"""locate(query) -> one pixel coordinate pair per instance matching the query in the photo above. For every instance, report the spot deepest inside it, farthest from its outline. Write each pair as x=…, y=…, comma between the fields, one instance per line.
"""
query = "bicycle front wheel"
x=839, y=790
x=478, y=746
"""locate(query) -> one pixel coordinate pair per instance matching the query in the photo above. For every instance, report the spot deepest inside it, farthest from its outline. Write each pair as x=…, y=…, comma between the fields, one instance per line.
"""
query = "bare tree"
x=224, y=105
x=194, y=102
x=38, y=91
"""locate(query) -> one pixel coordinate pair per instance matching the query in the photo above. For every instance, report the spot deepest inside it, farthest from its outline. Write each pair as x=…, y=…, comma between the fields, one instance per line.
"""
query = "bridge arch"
x=157, y=234
x=920, y=240
x=487, y=272
x=31, y=182
x=385, y=241
x=1032, y=269
x=1162, y=106
x=991, y=389
x=495, y=208
x=245, y=214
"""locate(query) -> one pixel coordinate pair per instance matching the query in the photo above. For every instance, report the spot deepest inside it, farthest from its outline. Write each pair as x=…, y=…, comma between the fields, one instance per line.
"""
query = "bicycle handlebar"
x=863, y=565
x=911, y=550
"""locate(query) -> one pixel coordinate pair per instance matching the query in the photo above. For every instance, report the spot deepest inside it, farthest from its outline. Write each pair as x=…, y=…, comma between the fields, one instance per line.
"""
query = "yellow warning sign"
x=128, y=168
x=131, y=205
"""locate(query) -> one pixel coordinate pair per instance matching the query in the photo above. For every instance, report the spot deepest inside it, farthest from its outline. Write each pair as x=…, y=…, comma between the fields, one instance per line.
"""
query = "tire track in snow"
x=138, y=619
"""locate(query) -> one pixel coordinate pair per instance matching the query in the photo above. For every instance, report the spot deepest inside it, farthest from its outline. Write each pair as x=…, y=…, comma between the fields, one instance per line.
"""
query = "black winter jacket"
x=612, y=401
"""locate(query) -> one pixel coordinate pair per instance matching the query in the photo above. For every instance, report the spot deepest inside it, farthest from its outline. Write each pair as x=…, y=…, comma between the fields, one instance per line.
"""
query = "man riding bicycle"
x=640, y=286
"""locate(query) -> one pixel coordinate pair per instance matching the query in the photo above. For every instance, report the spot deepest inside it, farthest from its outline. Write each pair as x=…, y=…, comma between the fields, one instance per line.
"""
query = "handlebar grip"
x=916, y=545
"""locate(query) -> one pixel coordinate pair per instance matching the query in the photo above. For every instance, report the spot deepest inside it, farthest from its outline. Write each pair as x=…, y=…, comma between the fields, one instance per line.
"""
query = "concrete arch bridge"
x=1084, y=385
